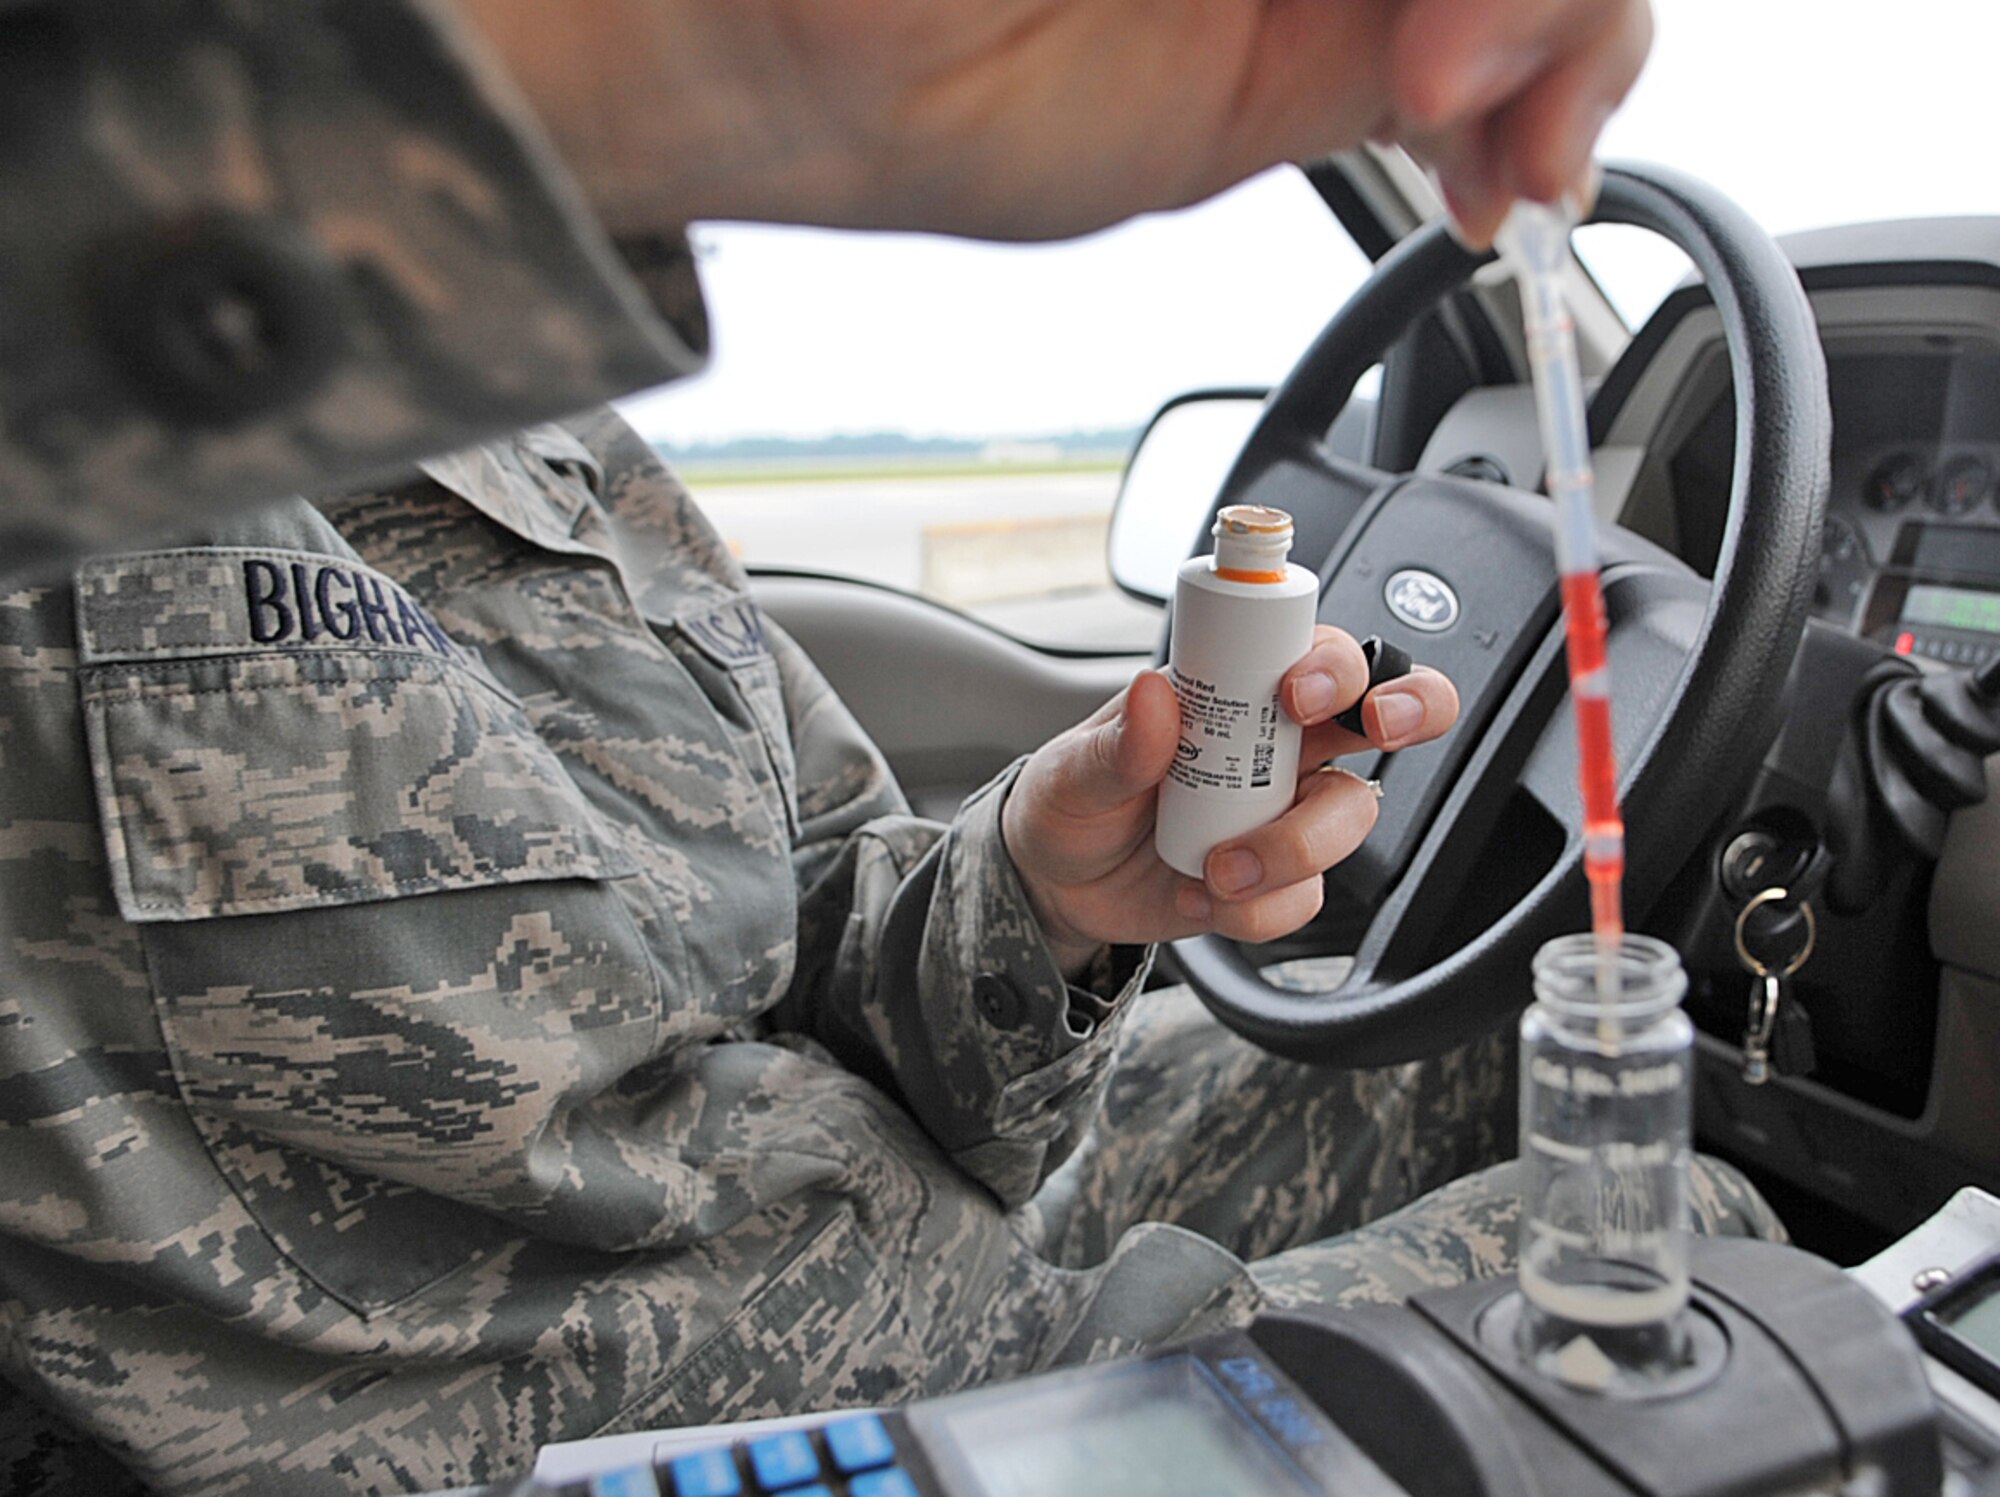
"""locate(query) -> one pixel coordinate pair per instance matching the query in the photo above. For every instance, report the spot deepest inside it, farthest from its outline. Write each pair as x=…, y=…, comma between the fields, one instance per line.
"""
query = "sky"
x=1808, y=112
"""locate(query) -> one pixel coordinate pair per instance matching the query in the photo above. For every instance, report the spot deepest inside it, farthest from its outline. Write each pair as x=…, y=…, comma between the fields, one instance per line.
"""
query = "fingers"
x=1411, y=709
x=1506, y=100
x=1082, y=806
x=1267, y=883
x=1119, y=753
x=1398, y=714
x=1541, y=143
x=1328, y=679
x=1266, y=918
x=1078, y=821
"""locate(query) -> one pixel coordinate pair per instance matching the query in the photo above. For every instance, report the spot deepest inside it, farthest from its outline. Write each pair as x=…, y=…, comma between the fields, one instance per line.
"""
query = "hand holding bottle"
x=1079, y=822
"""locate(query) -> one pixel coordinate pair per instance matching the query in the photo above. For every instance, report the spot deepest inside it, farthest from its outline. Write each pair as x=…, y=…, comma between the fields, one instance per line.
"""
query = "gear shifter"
x=1916, y=754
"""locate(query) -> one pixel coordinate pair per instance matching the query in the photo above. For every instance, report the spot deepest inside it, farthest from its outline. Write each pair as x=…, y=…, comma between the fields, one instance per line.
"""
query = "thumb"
x=1127, y=751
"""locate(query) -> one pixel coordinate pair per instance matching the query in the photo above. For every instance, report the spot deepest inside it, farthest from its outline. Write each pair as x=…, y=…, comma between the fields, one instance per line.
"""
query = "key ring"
x=1750, y=963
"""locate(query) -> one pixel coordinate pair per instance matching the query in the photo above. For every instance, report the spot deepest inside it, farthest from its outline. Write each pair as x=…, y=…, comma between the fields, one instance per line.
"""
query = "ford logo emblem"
x=1423, y=600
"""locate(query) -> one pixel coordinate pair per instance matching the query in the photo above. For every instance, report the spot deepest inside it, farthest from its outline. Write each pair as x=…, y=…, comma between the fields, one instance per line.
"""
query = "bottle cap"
x=1251, y=543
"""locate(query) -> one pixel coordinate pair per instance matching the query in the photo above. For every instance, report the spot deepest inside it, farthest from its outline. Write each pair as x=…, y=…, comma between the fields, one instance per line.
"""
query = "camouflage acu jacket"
x=465, y=982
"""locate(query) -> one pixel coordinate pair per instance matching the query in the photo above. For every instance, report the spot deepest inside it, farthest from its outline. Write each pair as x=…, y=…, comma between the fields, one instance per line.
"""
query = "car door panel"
x=950, y=701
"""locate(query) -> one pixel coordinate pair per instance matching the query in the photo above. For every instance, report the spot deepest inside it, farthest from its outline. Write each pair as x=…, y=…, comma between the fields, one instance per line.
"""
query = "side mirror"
x=1170, y=484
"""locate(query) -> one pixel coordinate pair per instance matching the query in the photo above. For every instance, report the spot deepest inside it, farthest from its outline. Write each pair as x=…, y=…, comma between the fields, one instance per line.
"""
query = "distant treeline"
x=880, y=445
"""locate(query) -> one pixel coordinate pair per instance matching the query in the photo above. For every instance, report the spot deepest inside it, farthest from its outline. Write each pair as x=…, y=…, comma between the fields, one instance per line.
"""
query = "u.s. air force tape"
x=730, y=633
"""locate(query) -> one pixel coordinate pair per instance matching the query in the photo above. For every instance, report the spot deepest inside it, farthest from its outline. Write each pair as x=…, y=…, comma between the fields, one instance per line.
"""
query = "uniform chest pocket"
x=722, y=645
x=389, y=944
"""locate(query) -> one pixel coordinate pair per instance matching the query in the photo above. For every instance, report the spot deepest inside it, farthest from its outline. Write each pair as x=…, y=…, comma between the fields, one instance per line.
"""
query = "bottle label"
x=1227, y=743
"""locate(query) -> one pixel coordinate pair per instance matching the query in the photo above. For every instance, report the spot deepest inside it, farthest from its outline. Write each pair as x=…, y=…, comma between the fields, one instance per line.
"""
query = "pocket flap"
x=275, y=730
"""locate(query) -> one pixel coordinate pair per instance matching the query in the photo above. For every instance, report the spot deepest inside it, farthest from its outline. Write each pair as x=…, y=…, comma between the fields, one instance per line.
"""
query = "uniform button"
x=783, y=1460
x=996, y=999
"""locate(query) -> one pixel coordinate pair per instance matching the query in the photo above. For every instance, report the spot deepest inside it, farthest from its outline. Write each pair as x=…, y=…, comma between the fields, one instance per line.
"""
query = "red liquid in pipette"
x=1597, y=764
x=1535, y=238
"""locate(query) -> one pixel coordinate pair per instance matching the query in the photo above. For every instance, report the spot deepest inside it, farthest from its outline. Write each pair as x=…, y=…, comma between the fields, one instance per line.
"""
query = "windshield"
x=951, y=418
x=822, y=333
x=1808, y=113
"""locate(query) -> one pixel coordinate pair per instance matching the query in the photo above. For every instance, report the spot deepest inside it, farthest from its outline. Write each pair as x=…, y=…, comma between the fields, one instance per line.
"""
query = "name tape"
x=294, y=602
x=226, y=600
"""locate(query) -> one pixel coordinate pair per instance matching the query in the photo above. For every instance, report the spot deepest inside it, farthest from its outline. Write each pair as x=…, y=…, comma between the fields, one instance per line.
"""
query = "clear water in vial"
x=1605, y=1130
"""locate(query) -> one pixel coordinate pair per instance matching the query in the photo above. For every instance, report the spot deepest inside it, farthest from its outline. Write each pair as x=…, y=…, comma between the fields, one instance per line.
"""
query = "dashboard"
x=1909, y=317
x=1910, y=556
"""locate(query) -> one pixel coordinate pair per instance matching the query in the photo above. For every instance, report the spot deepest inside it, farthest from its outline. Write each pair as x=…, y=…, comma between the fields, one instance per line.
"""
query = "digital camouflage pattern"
x=469, y=983
x=257, y=248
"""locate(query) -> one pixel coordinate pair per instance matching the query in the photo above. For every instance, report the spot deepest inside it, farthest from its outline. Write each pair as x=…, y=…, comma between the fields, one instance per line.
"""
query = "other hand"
x=1029, y=119
x=1079, y=821
x=1506, y=100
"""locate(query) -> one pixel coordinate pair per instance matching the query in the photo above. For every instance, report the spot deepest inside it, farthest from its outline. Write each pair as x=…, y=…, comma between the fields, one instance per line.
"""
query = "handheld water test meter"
x=1803, y=1381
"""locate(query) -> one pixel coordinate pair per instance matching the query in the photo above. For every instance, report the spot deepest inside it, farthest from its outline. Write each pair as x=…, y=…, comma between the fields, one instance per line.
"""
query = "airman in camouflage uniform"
x=464, y=980
x=471, y=984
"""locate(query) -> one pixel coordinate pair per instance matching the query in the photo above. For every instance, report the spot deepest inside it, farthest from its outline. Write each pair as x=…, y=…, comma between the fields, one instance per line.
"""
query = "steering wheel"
x=1477, y=857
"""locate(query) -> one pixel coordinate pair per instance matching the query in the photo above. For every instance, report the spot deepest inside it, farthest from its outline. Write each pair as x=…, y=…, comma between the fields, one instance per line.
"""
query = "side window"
x=951, y=417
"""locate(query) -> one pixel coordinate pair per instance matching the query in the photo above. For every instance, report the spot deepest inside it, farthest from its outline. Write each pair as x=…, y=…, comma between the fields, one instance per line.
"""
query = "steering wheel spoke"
x=1655, y=615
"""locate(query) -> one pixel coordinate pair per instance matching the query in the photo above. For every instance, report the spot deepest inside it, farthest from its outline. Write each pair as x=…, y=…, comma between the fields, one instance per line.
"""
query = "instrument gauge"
x=1895, y=482
x=1961, y=484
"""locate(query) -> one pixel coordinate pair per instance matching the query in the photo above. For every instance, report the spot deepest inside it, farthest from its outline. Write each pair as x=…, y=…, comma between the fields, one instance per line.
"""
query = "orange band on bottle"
x=1237, y=574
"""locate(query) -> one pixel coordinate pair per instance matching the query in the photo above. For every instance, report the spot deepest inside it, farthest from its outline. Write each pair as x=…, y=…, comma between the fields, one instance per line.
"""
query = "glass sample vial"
x=1242, y=618
x=1606, y=1092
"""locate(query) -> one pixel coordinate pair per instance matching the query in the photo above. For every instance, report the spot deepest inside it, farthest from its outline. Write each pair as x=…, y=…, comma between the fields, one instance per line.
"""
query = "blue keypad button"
x=895, y=1482
x=859, y=1444
x=817, y=1489
x=633, y=1481
x=712, y=1473
x=784, y=1460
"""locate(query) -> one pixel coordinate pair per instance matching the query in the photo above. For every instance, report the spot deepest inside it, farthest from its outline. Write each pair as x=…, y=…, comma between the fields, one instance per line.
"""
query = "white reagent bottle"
x=1242, y=618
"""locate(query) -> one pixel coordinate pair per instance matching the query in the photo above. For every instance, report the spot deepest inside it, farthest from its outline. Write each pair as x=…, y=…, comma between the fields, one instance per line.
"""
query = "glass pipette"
x=1534, y=244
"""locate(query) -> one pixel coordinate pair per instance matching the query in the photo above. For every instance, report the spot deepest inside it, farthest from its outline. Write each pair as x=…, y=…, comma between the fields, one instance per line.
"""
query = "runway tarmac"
x=1024, y=551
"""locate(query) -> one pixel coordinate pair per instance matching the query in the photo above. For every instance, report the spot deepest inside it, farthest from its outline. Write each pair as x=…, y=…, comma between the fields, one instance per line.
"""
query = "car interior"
x=1796, y=456
x=1900, y=576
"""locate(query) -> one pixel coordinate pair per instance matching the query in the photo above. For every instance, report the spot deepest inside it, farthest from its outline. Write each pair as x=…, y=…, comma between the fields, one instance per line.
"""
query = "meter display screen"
x=1959, y=1324
x=1158, y=1428
x=1977, y=1320
x=1952, y=608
